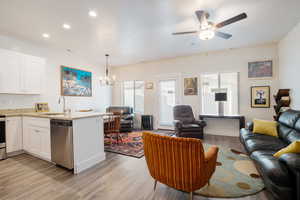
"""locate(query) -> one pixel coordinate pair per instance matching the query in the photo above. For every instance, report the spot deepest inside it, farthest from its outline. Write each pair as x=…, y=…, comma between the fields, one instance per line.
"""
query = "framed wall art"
x=260, y=97
x=261, y=69
x=149, y=85
x=41, y=107
x=75, y=82
x=190, y=86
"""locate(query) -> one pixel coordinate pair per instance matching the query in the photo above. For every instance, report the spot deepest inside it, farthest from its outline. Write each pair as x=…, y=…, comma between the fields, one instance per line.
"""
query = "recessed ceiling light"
x=46, y=35
x=92, y=13
x=66, y=26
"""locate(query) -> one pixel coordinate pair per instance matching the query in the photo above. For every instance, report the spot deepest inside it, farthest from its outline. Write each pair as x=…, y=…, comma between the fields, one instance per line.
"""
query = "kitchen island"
x=88, y=141
x=35, y=137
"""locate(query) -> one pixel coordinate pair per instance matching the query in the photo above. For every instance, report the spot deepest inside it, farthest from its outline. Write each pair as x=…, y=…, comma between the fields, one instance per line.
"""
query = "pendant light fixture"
x=107, y=80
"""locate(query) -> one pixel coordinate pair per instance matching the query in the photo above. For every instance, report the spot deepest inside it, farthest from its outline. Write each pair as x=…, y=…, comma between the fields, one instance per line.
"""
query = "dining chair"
x=112, y=127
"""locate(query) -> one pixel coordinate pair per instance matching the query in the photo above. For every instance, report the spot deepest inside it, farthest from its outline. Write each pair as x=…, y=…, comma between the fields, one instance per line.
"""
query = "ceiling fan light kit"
x=206, y=34
x=209, y=30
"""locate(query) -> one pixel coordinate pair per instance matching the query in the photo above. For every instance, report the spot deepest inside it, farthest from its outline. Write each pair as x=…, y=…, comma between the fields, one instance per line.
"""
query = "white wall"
x=234, y=60
x=289, y=62
x=51, y=79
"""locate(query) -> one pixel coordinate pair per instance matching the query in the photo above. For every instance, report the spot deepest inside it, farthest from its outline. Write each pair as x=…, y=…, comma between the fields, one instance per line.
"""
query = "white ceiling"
x=139, y=30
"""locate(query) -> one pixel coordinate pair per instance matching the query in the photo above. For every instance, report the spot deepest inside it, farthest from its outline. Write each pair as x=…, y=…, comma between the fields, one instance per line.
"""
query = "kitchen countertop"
x=53, y=115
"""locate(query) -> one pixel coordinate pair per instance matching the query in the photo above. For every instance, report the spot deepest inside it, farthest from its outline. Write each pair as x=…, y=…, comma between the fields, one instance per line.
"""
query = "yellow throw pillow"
x=292, y=148
x=265, y=127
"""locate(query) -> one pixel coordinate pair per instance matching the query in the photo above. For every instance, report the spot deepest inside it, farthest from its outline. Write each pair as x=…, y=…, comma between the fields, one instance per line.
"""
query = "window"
x=128, y=93
x=133, y=95
x=139, y=96
x=211, y=82
x=167, y=100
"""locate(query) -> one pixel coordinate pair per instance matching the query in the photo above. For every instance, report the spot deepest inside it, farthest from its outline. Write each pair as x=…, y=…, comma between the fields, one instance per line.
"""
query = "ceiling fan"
x=208, y=29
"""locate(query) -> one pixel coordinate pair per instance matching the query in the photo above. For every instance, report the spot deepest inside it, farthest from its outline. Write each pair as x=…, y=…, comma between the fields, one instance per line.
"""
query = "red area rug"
x=131, y=145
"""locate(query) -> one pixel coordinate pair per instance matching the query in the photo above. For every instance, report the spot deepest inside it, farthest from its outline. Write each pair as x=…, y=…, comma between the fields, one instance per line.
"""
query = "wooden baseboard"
x=220, y=136
x=15, y=153
x=164, y=129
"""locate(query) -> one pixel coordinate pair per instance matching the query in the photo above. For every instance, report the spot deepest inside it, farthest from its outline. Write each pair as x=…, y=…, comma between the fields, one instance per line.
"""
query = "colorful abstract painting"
x=263, y=69
x=75, y=82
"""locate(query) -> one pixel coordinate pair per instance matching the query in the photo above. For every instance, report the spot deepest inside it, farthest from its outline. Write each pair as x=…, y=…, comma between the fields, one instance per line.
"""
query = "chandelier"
x=107, y=80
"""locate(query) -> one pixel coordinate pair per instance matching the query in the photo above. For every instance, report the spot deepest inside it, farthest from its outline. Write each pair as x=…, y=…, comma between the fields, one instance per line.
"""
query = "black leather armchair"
x=281, y=175
x=127, y=116
x=185, y=123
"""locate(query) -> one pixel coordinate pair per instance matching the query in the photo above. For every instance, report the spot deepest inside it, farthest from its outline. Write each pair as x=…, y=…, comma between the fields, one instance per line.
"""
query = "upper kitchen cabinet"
x=20, y=73
x=32, y=70
x=9, y=72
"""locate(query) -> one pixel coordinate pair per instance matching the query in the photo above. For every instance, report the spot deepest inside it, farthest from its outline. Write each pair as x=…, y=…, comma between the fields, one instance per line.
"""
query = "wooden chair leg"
x=155, y=184
x=111, y=139
x=120, y=136
x=191, y=196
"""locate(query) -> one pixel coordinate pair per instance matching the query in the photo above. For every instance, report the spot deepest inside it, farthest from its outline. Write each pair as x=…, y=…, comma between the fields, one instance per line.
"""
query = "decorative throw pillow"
x=292, y=148
x=265, y=127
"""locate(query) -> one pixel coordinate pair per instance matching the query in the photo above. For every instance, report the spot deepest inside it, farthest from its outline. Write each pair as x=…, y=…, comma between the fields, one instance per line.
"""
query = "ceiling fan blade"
x=232, y=20
x=223, y=35
x=186, y=32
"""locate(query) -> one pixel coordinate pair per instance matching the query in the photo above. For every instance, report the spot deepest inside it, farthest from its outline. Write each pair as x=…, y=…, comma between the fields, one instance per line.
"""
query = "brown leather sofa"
x=185, y=123
x=281, y=175
x=180, y=163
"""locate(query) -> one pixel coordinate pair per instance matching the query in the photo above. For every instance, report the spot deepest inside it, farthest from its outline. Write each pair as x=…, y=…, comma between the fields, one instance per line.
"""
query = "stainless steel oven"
x=2, y=138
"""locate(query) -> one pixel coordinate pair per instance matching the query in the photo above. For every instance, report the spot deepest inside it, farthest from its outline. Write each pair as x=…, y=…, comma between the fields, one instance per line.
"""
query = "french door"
x=168, y=93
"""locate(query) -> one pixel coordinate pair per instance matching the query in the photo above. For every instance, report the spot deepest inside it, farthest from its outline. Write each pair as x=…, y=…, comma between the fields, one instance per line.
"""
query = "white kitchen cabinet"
x=20, y=73
x=32, y=69
x=14, y=134
x=9, y=72
x=36, y=133
x=25, y=134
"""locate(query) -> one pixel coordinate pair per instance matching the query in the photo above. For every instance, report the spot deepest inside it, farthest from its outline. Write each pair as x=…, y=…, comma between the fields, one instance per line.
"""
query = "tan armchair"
x=179, y=163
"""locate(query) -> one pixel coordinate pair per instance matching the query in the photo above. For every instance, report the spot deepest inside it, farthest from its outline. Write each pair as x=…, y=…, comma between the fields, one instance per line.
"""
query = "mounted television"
x=220, y=96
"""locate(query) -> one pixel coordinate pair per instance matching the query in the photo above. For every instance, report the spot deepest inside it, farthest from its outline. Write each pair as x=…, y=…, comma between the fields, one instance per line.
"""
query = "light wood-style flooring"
x=119, y=177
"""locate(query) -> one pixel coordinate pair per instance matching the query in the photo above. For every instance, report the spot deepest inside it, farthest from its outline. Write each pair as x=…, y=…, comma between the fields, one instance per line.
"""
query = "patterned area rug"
x=131, y=145
x=235, y=176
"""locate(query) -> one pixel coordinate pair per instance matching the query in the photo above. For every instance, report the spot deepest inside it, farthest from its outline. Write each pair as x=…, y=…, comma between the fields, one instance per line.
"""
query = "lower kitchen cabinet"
x=36, y=137
x=14, y=134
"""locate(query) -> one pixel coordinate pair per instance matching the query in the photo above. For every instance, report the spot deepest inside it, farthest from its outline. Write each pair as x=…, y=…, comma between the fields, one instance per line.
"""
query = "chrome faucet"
x=64, y=103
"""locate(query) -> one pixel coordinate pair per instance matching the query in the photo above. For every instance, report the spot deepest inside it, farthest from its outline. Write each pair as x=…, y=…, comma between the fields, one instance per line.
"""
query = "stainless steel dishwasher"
x=62, y=143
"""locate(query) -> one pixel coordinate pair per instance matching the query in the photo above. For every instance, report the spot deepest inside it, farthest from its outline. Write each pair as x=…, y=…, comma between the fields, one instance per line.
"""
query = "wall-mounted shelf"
x=283, y=101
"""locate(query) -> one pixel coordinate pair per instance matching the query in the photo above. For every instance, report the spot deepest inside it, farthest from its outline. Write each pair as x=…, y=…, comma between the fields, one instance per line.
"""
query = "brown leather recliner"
x=180, y=163
x=185, y=123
